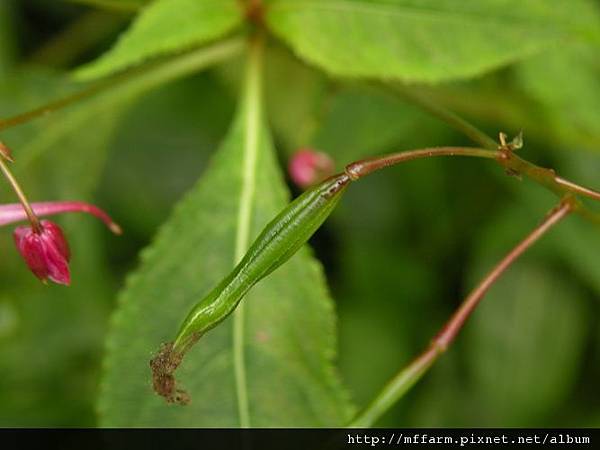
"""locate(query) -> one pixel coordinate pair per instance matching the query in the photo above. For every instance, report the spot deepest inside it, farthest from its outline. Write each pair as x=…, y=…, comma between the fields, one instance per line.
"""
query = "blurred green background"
x=403, y=248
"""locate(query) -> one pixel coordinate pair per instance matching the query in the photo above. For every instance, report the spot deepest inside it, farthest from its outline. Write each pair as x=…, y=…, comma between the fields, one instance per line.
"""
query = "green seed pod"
x=277, y=243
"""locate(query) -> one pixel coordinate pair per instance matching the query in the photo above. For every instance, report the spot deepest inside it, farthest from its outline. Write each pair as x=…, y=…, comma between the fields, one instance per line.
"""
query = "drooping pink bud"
x=46, y=253
x=308, y=167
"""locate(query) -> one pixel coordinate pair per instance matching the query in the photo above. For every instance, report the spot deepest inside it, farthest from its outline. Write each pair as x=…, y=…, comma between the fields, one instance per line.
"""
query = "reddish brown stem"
x=415, y=370
x=359, y=169
x=5, y=152
x=35, y=223
x=504, y=155
x=577, y=188
x=456, y=322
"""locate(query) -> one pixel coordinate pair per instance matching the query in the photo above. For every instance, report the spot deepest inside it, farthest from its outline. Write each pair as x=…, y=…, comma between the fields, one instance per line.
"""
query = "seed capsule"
x=277, y=243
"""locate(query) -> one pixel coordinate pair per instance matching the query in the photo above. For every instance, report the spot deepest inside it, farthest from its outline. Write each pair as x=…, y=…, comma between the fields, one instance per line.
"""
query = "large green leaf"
x=566, y=84
x=426, y=40
x=167, y=26
x=288, y=340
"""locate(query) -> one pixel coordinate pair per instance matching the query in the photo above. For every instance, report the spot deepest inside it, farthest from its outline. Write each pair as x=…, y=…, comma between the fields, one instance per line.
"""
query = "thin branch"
x=511, y=162
x=33, y=219
x=139, y=78
x=545, y=177
x=576, y=188
x=406, y=378
x=504, y=155
x=359, y=169
x=56, y=105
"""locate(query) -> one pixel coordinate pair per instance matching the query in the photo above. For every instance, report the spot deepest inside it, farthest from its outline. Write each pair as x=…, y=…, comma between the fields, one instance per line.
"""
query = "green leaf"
x=288, y=338
x=189, y=117
x=116, y=94
x=379, y=123
x=166, y=26
x=293, y=113
x=113, y=5
x=566, y=84
x=426, y=40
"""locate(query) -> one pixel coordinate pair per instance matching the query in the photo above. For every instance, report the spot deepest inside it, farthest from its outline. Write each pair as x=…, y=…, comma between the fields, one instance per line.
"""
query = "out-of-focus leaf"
x=386, y=319
x=361, y=122
x=289, y=330
x=566, y=83
x=167, y=136
x=113, y=5
x=166, y=26
x=426, y=40
x=7, y=42
x=442, y=398
x=524, y=362
x=293, y=113
x=117, y=94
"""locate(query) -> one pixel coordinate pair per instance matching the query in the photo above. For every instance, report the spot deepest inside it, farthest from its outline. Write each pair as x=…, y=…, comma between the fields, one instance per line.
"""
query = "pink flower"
x=46, y=253
x=308, y=167
x=46, y=250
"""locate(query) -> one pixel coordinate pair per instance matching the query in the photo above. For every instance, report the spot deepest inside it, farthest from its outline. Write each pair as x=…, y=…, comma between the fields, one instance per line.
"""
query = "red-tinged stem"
x=545, y=177
x=456, y=322
x=364, y=167
x=56, y=105
x=35, y=223
x=576, y=188
x=504, y=155
x=406, y=378
x=5, y=152
x=14, y=212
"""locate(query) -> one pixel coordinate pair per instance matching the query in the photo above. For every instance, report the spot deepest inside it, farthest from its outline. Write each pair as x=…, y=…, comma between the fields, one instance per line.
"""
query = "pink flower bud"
x=46, y=253
x=308, y=167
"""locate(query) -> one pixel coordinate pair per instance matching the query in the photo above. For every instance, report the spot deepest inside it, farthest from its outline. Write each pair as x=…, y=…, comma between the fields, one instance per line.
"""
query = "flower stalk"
x=13, y=212
x=33, y=220
x=46, y=251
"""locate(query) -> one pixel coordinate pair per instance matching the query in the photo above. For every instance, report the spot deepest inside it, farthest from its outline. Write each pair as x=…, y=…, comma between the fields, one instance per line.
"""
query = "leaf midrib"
x=252, y=105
